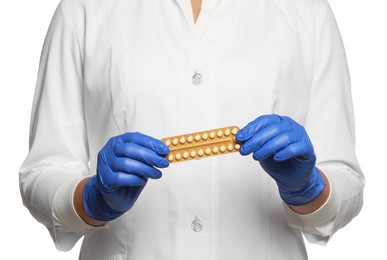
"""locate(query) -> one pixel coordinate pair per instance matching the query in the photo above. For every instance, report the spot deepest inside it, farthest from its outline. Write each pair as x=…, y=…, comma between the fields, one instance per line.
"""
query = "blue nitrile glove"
x=124, y=165
x=285, y=152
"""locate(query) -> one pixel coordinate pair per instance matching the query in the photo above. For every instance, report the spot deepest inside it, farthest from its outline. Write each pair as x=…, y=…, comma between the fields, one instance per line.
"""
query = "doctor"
x=117, y=76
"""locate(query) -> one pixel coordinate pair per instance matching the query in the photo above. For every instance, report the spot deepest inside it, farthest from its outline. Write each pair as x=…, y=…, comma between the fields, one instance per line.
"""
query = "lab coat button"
x=197, y=78
x=197, y=225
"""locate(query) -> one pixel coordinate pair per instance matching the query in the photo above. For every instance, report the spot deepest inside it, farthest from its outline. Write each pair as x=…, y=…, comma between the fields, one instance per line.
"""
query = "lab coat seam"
x=314, y=65
x=114, y=62
x=111, y=91
x=275, y=66
x=267, y=220
x=315, y=60
x=64, y=10
x=54, y=229
x=332, y=222
x=39, y=179
x=324, y=20
x=65, y=216
x=213, y=204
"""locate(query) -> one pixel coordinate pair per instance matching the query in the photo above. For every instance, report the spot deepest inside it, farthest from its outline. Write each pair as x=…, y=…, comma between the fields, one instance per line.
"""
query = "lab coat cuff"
x=65, y=216
x=319, y=219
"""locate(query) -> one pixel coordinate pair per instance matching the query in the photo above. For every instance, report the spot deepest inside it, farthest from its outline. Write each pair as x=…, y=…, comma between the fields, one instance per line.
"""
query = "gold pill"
x=202, y=144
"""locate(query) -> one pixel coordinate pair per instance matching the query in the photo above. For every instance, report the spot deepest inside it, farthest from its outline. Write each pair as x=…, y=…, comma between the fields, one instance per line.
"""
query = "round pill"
x=168, y=142
x=219, y=134
x=197, y=138
x=178, y=156
x=190, y=139
x=170, y=157
x=175, y=142
x=185, y=155
x=205, y=136
x=227, y=132
x=237, y=146
x=215, y=149
x=234, y=131
x=200, y=152
x=222, y=149
x=230, y=147
x=208, y=151
x=212, y=135
x=182, y=140
x=193, y=154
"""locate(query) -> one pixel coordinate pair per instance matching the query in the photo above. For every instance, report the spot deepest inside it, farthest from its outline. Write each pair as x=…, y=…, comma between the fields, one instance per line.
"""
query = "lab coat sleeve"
x=58, y=153
x=330, y=125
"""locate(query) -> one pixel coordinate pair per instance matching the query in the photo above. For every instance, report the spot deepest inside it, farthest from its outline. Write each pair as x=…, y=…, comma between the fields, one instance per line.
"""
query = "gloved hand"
x=285, y=152
x=124, y=165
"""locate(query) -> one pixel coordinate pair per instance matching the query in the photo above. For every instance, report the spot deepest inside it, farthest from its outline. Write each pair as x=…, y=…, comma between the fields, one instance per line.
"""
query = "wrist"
x=318, y=202
x=79, y=205
x=308, y=193
x=95, y=205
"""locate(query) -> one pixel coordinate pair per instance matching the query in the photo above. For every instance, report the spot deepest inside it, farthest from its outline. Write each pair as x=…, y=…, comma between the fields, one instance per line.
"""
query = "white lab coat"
x=110, y=67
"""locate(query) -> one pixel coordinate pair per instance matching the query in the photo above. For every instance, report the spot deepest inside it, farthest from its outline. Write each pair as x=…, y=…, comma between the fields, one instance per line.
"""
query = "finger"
x=263, y=136
x=253, y=127
x=130, y=166
x=140, y=153
x=146, y=141
x=273, y=146
x=114, y=180
x=299, y=149
x=124, y=179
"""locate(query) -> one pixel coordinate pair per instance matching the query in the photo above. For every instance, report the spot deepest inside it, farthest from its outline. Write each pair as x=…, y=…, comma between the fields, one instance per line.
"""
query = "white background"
x=363, y=24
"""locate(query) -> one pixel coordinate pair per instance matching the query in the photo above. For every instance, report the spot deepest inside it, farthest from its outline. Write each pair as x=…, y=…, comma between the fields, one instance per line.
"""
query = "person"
x=116, y=77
